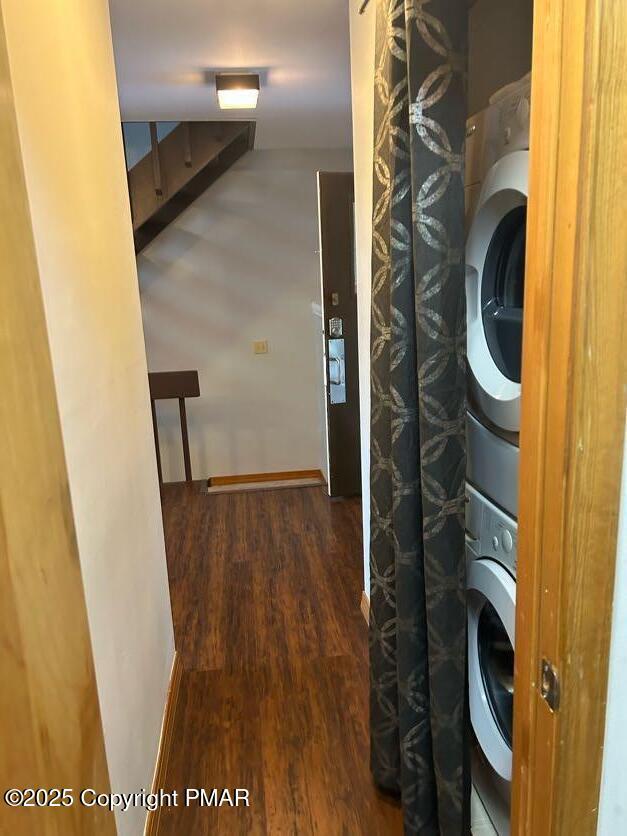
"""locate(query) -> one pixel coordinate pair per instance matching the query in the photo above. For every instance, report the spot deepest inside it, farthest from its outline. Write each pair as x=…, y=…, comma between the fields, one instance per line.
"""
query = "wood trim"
x=573, y=410
x=165, y=742
x=364, y=606
x=279, y=476
x=50, y=724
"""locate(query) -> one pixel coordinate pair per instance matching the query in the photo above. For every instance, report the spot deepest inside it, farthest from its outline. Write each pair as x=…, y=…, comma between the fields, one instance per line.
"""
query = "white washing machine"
x=491, y=546
x=495, y=261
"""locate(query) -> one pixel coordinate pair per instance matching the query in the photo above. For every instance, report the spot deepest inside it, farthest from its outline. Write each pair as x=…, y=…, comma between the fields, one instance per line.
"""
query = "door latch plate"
x=336, y=372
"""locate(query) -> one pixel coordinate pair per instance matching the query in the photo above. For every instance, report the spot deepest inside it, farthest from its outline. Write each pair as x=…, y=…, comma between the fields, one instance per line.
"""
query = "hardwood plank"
x=274, y=696
x=315, y=748
x=217, y=744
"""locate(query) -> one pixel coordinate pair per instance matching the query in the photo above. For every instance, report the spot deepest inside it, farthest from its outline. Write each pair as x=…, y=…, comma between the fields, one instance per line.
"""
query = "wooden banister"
x=169, y=177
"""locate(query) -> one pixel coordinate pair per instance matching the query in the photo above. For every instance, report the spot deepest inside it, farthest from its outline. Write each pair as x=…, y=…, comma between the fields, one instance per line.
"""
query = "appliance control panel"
x=489, y=531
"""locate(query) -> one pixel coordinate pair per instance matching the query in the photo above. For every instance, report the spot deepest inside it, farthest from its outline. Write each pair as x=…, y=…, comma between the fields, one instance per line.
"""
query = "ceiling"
x=167, y=52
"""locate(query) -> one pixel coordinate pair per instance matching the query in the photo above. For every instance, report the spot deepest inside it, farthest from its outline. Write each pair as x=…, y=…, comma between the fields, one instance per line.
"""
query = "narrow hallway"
x=273, y=696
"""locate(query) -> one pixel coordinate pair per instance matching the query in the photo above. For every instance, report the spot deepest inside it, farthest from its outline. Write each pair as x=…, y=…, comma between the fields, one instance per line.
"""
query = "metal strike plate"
x=550, y=685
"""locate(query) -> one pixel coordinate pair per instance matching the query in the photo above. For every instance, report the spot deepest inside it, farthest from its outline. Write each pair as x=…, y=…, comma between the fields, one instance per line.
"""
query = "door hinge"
x=550, y=685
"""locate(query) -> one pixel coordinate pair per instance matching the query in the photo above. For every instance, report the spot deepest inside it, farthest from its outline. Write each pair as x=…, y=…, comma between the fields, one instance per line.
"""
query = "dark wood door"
x=339, y=314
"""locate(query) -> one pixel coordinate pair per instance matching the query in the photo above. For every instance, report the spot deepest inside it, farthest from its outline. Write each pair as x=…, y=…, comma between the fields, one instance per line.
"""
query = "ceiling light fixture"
x=237, y=90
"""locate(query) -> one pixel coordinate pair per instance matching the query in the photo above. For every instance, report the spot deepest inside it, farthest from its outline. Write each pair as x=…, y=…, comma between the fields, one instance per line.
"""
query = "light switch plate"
x=260, y=346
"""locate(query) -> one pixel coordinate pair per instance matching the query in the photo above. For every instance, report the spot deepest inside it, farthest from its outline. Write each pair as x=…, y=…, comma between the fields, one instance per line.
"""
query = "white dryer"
x=495, y=262
x=491, y=537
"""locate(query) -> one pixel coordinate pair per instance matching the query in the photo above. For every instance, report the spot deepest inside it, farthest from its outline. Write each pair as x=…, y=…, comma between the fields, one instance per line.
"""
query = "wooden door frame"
x=573, y=409
x=50, y=724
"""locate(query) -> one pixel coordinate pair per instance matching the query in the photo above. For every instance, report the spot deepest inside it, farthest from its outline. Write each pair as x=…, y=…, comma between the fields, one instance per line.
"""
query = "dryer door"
x=491, y=620
x=495, y=274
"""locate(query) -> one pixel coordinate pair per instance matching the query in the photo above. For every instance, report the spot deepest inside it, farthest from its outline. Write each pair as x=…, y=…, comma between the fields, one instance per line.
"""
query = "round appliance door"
x=491, y=620
x=495, y=276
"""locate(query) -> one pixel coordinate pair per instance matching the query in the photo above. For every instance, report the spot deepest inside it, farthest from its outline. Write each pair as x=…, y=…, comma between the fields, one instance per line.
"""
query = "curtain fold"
x=418, y=389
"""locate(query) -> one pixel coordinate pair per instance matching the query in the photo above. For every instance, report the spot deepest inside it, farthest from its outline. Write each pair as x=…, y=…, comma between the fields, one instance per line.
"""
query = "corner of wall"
x=362, y=54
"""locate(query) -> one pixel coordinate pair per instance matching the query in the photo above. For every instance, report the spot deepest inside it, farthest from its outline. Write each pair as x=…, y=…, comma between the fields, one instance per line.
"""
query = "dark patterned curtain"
x=417, y=587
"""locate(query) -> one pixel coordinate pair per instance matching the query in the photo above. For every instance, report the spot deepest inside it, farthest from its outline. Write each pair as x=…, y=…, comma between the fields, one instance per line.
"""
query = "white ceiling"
x=166, y=51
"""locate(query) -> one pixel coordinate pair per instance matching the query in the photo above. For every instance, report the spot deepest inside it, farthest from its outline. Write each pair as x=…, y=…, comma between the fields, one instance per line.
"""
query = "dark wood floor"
x=265, y=591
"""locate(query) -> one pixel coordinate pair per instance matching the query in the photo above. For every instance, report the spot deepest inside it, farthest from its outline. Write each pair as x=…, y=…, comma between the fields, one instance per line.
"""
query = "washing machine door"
x=495, y=273
x=491, y=624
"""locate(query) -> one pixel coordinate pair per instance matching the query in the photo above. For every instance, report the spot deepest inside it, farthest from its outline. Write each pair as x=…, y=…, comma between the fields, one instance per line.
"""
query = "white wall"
x=613, y=800
x=166, y=54
x=499, y=47
x=240, y=265
x=362, y=34
x=67, y=110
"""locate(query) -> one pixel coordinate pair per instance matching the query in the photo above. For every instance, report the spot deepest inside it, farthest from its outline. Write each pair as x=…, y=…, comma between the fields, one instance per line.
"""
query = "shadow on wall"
x=240, y=265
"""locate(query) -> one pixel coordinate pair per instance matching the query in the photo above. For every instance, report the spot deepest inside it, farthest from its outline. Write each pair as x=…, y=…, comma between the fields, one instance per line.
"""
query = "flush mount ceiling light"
x=237, y=90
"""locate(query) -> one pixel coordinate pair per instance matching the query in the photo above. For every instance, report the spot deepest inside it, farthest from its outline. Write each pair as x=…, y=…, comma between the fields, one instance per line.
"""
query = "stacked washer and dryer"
x=497, y=155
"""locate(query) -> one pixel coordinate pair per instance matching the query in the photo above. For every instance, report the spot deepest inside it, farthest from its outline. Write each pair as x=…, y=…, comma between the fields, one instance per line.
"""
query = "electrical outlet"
x=260, y=346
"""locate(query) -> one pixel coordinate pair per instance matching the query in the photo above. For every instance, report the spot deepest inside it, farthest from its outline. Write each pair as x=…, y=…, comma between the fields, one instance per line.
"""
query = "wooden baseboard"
x=280, y=476
x=365, y=607
x=165, y=742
